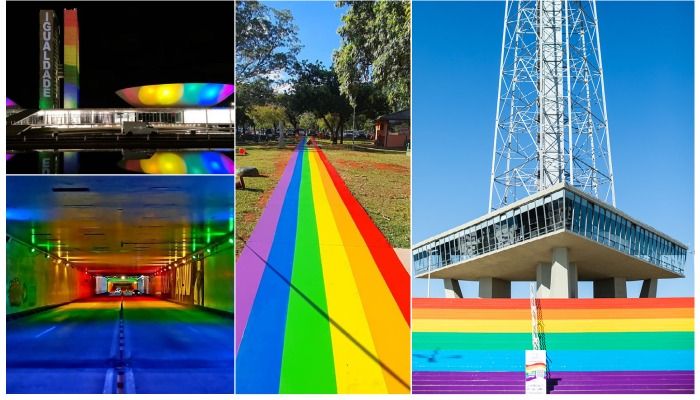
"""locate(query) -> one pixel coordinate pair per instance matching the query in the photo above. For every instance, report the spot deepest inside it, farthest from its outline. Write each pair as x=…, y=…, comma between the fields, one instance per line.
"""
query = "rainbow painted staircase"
x=593, y=345
x=322, y=301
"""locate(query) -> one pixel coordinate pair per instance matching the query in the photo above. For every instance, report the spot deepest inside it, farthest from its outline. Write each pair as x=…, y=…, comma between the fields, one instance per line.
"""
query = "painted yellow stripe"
x=555, y=313
x=355, y=371
x=389, y=330
x=552, y=326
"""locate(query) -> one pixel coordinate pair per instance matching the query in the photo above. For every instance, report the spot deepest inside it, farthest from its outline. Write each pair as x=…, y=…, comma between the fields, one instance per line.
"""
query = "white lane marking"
x=130, y=384
x=109, y=382
x=45, y=332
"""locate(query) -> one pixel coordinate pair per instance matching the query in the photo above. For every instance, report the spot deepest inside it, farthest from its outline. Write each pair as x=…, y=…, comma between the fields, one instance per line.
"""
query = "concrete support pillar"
x=610, y=288
x=559, y=279
x=544, y=278
x=71, y=163
x=452, y=289
x=573, y=281
x=492, y=288
x=649, y=288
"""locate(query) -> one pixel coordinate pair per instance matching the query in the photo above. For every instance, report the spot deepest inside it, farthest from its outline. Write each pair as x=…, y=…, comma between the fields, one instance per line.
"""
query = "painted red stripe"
x=393, y=272
x=436, y=303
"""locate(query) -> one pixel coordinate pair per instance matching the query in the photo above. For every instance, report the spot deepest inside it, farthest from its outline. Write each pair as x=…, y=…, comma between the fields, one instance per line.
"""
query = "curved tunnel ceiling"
x=120, y=225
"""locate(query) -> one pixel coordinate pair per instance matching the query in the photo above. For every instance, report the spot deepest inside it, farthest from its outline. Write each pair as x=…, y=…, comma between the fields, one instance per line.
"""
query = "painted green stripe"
x=307, y=365
x=555, y=341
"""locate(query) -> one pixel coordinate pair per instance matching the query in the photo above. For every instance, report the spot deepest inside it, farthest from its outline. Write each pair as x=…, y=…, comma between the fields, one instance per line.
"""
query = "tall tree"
x=308, y=120
x=252, y=93
x=267, y=116
x=266, y=41
x=316, y=89
x=286, y=100
x=376, y=47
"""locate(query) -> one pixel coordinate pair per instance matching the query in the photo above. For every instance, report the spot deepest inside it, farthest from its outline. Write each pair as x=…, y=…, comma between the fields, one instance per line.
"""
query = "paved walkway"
x=322, y=300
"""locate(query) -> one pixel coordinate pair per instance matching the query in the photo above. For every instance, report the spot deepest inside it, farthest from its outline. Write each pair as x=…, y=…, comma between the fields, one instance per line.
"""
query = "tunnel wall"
x=34, y=281
x=155, y=285
x=218, y=280
x=579, y=335
x=206, y=282
x=183, y=283
x=100, y=285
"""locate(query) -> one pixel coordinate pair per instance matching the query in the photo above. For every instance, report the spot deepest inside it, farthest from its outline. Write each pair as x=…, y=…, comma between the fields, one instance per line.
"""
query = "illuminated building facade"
x=71, y=59
x=177, y=95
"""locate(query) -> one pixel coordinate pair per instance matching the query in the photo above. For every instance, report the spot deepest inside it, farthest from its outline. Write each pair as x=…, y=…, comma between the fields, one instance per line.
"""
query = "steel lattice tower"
x=551, y=118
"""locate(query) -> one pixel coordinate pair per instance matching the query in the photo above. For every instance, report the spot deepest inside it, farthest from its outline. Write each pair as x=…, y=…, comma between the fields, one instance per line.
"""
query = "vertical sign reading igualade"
x=47, y=60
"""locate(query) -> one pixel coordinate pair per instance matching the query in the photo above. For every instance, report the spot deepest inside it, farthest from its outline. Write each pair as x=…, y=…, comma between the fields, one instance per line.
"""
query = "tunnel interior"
x=120, y=284
x=123, y=282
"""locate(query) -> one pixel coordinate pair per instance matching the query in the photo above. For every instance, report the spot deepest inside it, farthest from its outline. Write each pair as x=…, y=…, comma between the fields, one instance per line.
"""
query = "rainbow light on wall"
x=177, y=94
x=207, y=162
x=9, y=103
x=71, y=59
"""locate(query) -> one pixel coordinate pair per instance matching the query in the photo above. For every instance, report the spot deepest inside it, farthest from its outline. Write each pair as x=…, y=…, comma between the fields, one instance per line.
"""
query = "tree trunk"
x=341, y=122
x=331, y=129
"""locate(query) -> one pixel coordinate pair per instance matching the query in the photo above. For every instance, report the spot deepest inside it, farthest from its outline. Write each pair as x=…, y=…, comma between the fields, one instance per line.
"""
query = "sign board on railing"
x=535, y=371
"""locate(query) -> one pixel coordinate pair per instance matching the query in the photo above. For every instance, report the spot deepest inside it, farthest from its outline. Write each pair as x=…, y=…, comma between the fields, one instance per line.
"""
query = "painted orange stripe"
x=397, y=278
x=677, y=302
x=510, y=314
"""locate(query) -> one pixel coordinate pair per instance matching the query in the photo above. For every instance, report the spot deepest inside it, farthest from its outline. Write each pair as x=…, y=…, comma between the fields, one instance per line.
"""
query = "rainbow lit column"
x=71, y=59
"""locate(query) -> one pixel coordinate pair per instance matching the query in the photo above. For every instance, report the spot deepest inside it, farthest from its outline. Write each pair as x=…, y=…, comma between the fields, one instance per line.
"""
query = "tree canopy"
x=316, y=89
x=266, y=41
x=376, y=47
x=266, y=116
x=252, y=93
x=369, y=76
x=308, y=120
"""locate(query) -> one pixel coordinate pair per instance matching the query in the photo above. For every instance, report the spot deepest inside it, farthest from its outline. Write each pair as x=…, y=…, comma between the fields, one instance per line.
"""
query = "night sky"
x=125, y=44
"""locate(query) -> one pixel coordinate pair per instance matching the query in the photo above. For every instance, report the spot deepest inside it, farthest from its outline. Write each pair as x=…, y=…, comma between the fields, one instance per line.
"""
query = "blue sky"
x=318, y=23
x=647, y=51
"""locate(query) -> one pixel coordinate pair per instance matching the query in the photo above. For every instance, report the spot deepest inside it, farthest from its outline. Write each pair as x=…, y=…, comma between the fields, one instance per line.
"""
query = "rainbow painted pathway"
x=322, y=300
x=598, y=346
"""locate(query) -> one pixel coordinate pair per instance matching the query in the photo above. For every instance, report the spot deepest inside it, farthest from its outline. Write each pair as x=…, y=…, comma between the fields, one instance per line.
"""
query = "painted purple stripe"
x=564, y=373
x=602, y=391
x=554, y=375
x=626, y=391
x=251, y=263
x=629, y=386
x=562, y=385
x=475, y=391
x=667, y=381
x=660, y=382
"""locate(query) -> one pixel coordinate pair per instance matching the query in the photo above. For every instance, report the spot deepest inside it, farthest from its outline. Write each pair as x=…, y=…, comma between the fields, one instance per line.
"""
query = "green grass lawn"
x=380, y=181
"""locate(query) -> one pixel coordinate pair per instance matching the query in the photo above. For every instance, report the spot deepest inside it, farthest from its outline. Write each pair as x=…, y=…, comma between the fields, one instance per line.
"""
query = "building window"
x=396, y=127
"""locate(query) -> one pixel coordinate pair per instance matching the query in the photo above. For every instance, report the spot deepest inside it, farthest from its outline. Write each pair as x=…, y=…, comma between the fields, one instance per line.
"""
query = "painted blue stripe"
x=558, y=360
x=259, y=359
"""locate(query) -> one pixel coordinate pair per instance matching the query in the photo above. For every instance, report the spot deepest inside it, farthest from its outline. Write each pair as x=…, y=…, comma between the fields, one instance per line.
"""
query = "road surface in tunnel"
x=178, y=349
x=168, y=348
